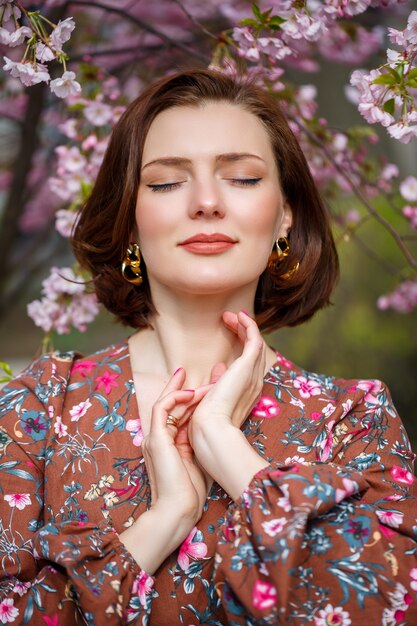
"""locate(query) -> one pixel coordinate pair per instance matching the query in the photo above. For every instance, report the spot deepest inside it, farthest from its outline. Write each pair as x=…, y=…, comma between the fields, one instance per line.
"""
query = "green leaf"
x=257, y=12
x=384, y=79
x=248, y=21
x=412, y=73
x=276, y=21
x=412, y=83
x=389, y=106
x=6, y=368
x=394, y=73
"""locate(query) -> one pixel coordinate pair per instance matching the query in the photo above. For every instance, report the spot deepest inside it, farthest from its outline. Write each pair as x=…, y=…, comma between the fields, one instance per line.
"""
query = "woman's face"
x=209, y=204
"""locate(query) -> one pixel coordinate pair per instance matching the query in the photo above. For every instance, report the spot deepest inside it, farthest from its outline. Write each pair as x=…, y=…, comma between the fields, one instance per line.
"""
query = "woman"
x=191, y=474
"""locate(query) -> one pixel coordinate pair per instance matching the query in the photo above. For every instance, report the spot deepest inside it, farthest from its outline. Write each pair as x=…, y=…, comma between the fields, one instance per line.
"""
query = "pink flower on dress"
x=274, y=526
x=85, y=367
x=371, y=387
x=401, y=475
x=413, y=575
x=60, y=428
x=307, y=388
x=350, y=487
x=18, y=500
x=266, y=407
x=285, y=362
x=79, y=410
x=143, y=585
x=8, y=612
x=197, y=550
x=107, y=380
x=134, y=426
x=316, y=416
x=332, y=616
x=51, y=621
x=327, y=443
x=390, y=518
x=21, y=588
x=264, y=595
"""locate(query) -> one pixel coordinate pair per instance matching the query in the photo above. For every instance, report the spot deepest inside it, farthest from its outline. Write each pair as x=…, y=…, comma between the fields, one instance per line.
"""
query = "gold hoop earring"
x=280, y=252
x=131, y=265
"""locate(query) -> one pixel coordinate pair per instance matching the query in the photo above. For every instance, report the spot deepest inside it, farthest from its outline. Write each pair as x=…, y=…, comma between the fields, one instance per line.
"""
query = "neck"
x=189, y=332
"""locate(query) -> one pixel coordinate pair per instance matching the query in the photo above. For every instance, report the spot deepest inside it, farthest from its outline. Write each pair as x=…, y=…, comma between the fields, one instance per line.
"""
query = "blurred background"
x=350, y=339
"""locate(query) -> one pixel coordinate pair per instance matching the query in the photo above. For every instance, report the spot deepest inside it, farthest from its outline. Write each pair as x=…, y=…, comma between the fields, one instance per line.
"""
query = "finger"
x=164, y=406
x=175, y=382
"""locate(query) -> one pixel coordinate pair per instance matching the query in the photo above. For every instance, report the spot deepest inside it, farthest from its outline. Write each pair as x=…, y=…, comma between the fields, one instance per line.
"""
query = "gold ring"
x=172, y=420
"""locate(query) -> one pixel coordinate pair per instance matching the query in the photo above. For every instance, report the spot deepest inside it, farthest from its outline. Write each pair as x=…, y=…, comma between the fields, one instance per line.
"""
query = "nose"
x=206, y=201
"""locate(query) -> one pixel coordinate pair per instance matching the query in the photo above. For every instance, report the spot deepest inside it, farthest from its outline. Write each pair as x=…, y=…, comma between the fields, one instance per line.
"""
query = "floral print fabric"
x=326, y=534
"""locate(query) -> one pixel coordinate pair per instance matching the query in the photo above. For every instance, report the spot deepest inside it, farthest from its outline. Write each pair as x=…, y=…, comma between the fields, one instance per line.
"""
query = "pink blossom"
x=264, y=595
x=65, y=86
x=62, y=33
x=401, y=475
x=21, y=587
x=134, y=426
x=411, y=213
x=98, y=113
x=14, y=38
x=51, y=621
x=18, y=500
x=316, y=416
x=372, y=388
x=403, y=299
x=71, y=159
x=390, y=518
x=65, y=222
x=44, y=53
x=84, y=367
x=60, y=428
x=266, y=407
x=284, y=501
x=327, y=444
x=410, y=32
x=107, y=380
x=27, y=73
x=332, y=615
x=143, y=585
x=408, y=187
x=402, y=132
x=79, y=410
x=8, y=612
x=274, y=526
x=197, y=550
x=413, y=576
x=307, y=388
x=283, y=361
x=350, y=487
x=294, y=459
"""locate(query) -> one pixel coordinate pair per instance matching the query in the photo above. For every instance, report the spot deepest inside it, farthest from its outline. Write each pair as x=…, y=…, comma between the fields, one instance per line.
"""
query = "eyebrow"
x=229, y=157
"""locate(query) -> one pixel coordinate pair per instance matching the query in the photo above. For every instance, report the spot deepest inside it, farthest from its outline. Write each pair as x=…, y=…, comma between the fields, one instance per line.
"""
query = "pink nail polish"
x=243, y=311
x=189, y=390
x=176, y=371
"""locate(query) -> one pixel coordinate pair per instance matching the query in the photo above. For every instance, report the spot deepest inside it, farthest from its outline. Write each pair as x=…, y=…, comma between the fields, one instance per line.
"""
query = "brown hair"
x=108, y=217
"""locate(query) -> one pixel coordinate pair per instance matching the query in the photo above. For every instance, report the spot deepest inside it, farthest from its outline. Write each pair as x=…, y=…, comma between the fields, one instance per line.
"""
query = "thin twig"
x=396, y=236
x=195, y=22
x=142, y=24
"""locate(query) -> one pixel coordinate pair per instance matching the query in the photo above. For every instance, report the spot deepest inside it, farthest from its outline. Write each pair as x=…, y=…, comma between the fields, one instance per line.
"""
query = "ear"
x=286, y=221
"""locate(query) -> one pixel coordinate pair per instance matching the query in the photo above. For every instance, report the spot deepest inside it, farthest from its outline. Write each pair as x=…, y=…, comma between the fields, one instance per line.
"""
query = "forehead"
x=208, y=129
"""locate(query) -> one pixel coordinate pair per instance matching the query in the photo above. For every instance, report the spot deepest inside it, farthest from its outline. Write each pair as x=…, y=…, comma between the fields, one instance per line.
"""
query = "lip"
x=205, y=238
x=203, y=243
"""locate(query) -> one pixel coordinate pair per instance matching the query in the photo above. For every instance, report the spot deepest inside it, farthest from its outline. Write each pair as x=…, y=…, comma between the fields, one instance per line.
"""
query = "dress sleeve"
x=55, y=573
x=328, y=543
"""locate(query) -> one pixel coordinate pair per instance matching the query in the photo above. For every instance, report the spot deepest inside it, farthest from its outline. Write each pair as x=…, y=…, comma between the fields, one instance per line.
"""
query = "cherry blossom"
x=197, y=550
x=408, y=188
x=14, y=38
x=18, y=500
x=62, y=33
x=29, y=74
x=264, y=595
x=65, y=86
x=403, y=299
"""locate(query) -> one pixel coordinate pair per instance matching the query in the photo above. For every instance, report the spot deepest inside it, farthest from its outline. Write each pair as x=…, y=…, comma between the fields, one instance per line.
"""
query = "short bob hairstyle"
x=107, y=220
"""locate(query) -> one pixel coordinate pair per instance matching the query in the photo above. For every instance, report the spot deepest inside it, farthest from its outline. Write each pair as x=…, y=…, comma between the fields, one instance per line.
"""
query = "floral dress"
x=325, y=535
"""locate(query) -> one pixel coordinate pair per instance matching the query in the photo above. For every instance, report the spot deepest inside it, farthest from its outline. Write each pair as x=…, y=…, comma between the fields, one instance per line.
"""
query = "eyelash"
x=244, y=182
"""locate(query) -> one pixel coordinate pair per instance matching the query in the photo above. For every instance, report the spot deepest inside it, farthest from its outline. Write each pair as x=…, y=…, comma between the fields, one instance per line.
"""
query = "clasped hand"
x=183, y=458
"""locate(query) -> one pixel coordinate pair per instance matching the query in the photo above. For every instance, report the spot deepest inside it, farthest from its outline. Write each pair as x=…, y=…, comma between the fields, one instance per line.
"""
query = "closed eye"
x=245, y=182
x=164, y=186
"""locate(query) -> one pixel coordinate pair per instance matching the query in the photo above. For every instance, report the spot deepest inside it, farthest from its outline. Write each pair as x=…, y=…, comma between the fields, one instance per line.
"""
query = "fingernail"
x=176, y=371
x=243, y=311
x=193, y=390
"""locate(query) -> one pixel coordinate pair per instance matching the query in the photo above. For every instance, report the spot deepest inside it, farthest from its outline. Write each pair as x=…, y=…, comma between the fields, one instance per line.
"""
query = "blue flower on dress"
x=35, y=424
